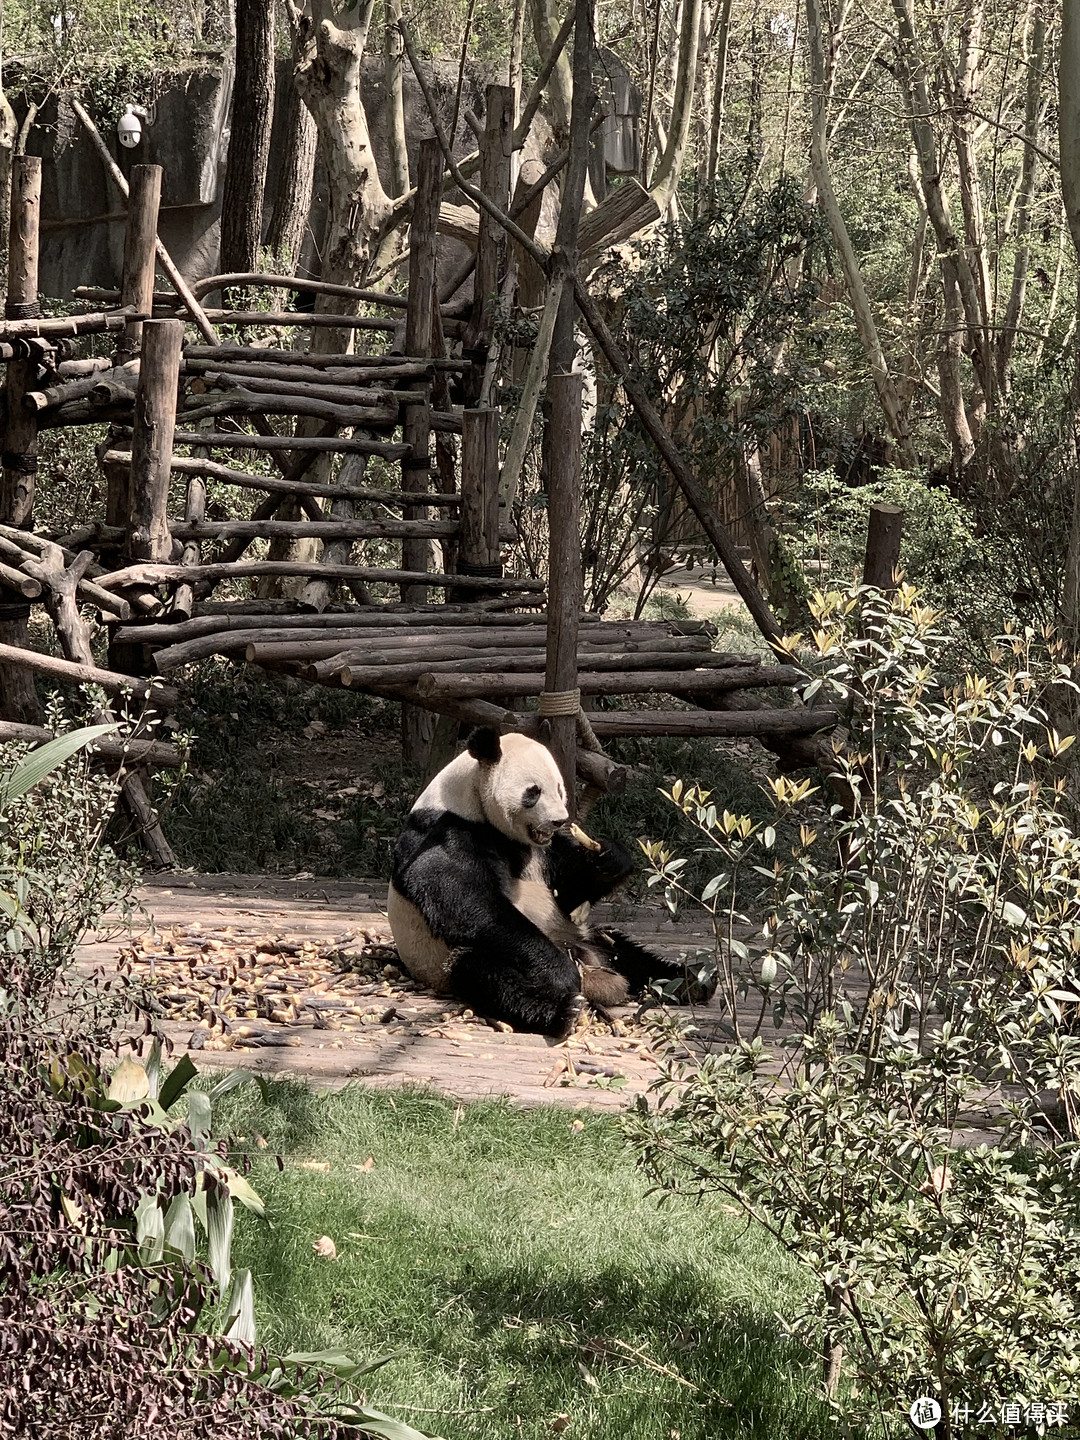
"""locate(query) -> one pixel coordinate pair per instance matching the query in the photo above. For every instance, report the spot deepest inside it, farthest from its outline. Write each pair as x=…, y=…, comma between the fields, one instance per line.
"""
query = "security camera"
x=129, y=126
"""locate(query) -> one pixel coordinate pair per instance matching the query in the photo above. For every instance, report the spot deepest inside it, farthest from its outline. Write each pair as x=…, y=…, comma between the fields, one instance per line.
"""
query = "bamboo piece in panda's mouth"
x=579, y=835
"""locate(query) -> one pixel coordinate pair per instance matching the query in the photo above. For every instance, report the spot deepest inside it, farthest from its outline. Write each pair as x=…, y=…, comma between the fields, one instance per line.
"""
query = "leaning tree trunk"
x=249, y=141
x=289, y=217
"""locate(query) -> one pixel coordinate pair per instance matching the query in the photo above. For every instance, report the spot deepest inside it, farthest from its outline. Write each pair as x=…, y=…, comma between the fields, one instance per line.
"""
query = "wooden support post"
x=478, y=540
x=419, y=337
x=137, y=290
x=883, y=547
x=195, y=511
x=140, y=254
x=20, y=441
x=417, y=725
x=152, y=440
x=496, y=150
x=18, y=696
x=560, y=701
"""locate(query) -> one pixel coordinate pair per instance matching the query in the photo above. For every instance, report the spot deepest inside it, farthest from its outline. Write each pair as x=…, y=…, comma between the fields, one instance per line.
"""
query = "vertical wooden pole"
x=478, y=541
x=883, y=547
x=495, y=156
x=140, y=254
x=560, y=703
x=419, y=336
x=417, y=724
x=152, y=440
x=136, y=289
x=195, y=511
x=18, y=696
x=20, y=442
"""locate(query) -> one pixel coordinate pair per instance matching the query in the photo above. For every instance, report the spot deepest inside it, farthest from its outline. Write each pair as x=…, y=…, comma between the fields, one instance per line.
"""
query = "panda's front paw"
x=613, y=863
x=569, y=1015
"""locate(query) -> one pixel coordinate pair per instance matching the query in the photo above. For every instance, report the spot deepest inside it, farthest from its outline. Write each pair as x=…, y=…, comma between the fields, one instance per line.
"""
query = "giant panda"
x=490, y=886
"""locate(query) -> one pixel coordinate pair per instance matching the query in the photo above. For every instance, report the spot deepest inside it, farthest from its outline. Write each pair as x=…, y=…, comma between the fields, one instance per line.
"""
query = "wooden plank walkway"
x=406, y=1036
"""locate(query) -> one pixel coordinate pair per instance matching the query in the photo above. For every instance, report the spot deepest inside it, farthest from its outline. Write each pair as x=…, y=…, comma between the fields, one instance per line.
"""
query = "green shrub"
x=943, y=549
x=62, y=878
x=914, y=959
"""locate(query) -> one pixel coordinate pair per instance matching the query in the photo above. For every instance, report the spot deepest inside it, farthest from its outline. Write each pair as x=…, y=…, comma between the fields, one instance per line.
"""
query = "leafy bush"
x=915, y=959
x=102, y=1295
x=944, y=550
x=62, y=878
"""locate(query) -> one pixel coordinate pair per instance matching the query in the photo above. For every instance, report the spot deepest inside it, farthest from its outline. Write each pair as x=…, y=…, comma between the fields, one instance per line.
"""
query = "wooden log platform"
x=162, y=696
x=317, y=530
x=625, y=682
x=732, y=723
x=330, y=444
x=125, y=752
x=245, y=569
x=217, y=354
x=272, y=484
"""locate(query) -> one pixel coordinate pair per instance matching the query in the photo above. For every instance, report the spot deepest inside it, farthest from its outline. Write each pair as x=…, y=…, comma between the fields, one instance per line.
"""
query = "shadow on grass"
x=654, y=1349
x=513, y=1262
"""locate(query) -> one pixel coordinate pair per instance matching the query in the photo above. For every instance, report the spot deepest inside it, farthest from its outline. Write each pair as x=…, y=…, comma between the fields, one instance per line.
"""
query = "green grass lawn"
x=515, y=1263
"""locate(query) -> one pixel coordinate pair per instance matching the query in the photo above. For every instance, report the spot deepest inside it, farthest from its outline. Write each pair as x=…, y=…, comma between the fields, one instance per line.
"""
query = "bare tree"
x=1069, y=149
x=249, y=141
x=822, y=78
x=328, y=76
x=296, y=172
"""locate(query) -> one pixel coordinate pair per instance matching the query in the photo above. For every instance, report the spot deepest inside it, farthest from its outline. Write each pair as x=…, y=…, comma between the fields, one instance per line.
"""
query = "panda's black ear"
x=484, y=745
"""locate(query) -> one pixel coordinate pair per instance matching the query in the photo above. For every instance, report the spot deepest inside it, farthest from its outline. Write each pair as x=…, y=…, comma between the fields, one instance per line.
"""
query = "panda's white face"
x=522, y=792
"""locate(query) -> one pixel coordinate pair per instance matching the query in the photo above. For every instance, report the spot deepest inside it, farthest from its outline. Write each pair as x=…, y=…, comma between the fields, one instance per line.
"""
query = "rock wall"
x=82, y=231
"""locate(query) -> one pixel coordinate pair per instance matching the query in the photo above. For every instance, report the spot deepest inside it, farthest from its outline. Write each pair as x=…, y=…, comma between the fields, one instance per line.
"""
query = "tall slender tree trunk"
x=1069, y=142
x=1032, y=101
x=289, y=218
x=249, y=140
x=9, y=130
x=860, y=301
x=665, y=177
x=718, y=43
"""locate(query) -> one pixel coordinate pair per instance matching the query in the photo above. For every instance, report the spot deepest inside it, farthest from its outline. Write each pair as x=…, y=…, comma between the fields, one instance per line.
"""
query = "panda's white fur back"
x=426, y=958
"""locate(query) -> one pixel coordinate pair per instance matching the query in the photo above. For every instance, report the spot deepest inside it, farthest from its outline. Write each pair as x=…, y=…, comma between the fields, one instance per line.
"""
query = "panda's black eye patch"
x=531, y=796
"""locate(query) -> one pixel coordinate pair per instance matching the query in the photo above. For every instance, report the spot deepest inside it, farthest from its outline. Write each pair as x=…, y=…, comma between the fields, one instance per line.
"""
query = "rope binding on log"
x=560, y=702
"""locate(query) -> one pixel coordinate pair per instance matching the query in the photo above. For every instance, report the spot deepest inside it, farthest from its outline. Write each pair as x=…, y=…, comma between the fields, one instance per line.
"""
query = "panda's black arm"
x=581, y=876
x=502, y=965
x=459, y=892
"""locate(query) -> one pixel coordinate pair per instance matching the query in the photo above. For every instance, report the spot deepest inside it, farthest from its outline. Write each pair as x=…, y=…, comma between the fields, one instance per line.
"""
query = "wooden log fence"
x=145, y=569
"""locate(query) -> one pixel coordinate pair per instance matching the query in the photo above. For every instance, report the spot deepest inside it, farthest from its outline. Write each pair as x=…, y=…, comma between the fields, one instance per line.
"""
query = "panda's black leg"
x=537, y=988
x=642, y=967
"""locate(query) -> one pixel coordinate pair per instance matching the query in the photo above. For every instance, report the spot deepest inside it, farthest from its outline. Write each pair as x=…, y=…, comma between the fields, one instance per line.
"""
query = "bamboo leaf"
x=46, y=758
x=177, y=1081
x=180, y=1227
x=153, y=1069
x=240, y=1317
x=198, y=1115
x=149, y=1229
x=219, y=1229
